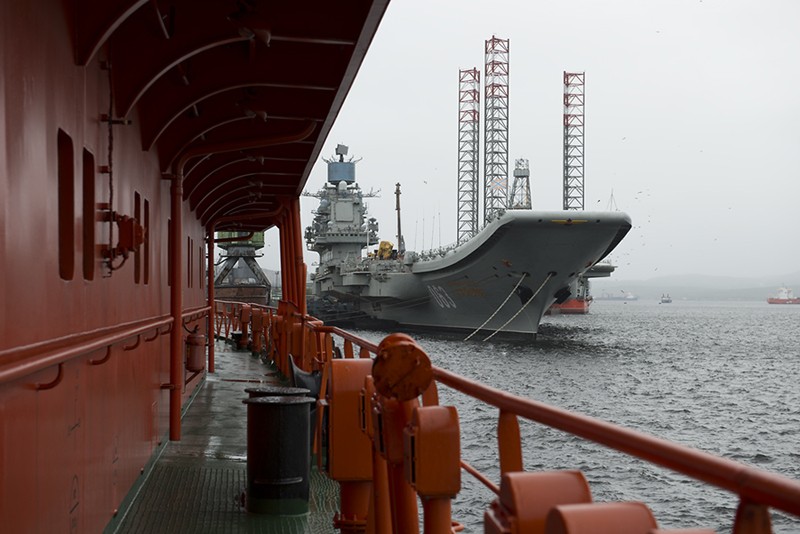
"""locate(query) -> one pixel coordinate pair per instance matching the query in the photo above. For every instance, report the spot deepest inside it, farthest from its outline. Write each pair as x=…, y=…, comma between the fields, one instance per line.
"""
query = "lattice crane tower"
x=469, y=82
x=574, y=99
x=496, y=128
x=521, y=189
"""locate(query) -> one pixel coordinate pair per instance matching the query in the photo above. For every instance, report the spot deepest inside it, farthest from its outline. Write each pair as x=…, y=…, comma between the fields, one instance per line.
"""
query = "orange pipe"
x=436, y=516
x=212, y=316
x=354, y=498
x=402, y=496
x=176, y=308
x=290, y=249
x=298, y=249
x=286, y=261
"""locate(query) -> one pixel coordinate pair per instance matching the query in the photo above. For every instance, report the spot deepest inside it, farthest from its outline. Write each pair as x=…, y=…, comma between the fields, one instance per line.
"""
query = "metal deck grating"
x=197, y=484
x=188, y=496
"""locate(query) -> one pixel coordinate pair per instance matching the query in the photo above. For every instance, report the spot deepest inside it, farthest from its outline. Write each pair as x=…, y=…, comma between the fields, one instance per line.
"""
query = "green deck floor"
x=197, y=484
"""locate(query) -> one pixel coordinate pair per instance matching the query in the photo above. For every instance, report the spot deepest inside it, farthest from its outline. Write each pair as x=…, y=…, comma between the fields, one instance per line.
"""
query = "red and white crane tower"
x=574, y=100
x=469, y=82
x=495, y=128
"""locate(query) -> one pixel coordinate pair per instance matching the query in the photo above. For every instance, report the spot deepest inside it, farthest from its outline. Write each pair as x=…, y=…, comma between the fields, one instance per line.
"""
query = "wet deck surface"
x=197, y=484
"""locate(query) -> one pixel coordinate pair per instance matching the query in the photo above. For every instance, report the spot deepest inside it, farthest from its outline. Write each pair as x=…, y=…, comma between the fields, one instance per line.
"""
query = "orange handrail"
x=755, y=487
x=754, y=484
x=18, y=362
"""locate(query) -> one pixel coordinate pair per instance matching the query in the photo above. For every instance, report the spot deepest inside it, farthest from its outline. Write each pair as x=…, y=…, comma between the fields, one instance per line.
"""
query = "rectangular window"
x=146, y=244
x=189, y=262
x=66, y=206
x=200, y=270
x=169, y=252
x=88, y=215
x=137, y=257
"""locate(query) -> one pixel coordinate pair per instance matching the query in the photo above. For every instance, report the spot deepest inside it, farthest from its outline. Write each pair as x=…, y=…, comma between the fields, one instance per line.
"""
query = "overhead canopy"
x=237, y=96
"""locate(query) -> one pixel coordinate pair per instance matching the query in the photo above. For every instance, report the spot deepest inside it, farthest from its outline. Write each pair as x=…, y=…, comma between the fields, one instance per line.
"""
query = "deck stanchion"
x=349, y=450
x=176, y=305
x=402, y=372
x=212, y=315
x=380, y=511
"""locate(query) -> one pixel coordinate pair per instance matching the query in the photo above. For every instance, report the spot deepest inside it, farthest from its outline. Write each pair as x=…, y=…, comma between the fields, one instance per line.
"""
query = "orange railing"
x=21, y=361
x=381, y=489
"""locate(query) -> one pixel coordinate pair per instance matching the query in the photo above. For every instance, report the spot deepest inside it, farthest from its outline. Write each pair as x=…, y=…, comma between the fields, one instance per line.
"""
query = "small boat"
x=785, y=296
x=666, y=299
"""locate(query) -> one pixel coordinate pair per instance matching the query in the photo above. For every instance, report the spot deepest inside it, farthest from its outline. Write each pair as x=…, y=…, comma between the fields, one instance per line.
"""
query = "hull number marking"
x=441, y=297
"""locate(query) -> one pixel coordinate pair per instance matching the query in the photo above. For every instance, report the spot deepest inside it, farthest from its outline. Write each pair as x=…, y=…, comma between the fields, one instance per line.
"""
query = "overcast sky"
x=692, y=121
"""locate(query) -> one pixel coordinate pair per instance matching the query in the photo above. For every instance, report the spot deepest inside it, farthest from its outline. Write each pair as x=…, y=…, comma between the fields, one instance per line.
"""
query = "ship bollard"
x=278, y=458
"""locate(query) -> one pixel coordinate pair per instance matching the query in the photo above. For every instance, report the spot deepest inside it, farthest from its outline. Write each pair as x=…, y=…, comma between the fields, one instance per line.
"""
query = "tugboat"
x=666, y=299
x=501, y=281
x=785, y=296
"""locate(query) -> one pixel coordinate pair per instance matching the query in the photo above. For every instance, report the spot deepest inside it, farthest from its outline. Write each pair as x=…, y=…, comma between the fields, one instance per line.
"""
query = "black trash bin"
x=276, y=391
x=278, y=459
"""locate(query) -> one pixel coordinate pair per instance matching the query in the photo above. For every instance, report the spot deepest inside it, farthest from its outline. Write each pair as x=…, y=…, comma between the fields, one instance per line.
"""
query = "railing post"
x=244, y=319
x=509, y=442
x=380, y=511
x=752, y=518
x=402, y=372
x=432, y=452
x=393, y=415
x=257, y=326
x=348, y=449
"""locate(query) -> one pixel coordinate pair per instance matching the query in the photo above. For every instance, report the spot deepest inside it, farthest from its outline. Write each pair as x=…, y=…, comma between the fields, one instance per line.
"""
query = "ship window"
x=189, y=247
x=169, y=252
x=66, y=207
x=137, y=258
x=146, y=243
x=88, y=215
x=200, y=265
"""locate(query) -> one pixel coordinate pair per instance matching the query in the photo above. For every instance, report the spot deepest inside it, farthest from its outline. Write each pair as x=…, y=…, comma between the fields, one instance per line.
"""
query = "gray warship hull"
x=501, y=281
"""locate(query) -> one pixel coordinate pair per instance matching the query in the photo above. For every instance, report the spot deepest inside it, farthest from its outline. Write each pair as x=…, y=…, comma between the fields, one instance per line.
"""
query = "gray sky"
x=692, y=115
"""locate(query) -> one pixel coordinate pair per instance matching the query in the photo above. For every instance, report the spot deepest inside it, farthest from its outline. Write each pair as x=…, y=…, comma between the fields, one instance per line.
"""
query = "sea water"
x=721, y=377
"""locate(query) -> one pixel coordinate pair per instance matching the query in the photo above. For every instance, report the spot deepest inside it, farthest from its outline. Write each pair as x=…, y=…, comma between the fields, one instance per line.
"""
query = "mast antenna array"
x=469, y=82
x=574, y=99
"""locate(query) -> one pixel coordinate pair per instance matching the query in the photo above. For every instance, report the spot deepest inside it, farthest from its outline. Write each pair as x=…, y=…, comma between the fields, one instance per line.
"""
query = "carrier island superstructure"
x=501, y=281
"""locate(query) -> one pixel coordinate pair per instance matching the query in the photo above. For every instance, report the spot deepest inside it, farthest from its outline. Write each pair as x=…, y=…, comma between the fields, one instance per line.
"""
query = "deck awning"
x=238, y=96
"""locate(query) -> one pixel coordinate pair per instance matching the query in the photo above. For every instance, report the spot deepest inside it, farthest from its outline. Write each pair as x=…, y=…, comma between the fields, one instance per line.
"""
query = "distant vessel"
x=785, y=296
x=501, y=280
x=622, y=295
x=666, y=299
x=582, y=299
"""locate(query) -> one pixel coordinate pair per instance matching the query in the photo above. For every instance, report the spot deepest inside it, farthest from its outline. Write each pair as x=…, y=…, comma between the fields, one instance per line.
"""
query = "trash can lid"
x=279, y=400
x=277, y=390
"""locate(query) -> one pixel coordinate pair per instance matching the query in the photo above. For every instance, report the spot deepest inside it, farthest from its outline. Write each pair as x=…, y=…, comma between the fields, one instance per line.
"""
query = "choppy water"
x=723, y=377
